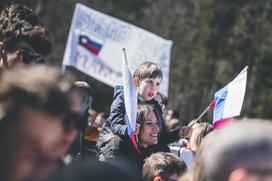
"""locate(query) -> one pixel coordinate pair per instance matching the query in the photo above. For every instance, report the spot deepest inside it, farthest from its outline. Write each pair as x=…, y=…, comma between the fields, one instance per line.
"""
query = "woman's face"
x=150, y=131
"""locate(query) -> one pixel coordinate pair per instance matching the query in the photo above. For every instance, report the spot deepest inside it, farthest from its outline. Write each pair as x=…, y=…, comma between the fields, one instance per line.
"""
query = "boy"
x=163, y=166
x=147, y=78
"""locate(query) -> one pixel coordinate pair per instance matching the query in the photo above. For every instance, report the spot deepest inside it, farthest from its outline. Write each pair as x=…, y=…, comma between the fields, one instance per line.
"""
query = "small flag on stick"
x=229, y=100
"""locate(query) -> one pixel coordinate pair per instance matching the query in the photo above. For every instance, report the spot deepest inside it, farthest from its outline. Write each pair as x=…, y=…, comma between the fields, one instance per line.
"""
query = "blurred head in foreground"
x=34, y=114
x=237, y=152
x=24, y=40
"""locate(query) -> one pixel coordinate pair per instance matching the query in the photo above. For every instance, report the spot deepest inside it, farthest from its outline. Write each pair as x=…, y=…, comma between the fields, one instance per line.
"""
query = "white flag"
x=130, y=96
x=229, y=100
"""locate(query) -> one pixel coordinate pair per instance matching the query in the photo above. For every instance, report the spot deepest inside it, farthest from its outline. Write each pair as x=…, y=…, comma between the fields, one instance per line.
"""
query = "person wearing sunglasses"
x=28, y=56
x=24, y=40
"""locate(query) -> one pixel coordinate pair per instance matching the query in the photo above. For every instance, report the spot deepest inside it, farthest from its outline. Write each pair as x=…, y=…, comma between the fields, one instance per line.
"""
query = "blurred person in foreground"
x=163, y=166
x=240, y=151
x=93, y=170
x=34, y=117
x=24, y=39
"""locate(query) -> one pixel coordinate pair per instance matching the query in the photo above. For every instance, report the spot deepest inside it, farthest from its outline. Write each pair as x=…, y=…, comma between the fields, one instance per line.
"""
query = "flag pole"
x=212, y=104
x=125, y=54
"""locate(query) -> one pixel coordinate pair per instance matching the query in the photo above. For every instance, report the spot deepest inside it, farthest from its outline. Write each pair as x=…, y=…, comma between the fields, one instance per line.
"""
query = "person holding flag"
x=147, y=79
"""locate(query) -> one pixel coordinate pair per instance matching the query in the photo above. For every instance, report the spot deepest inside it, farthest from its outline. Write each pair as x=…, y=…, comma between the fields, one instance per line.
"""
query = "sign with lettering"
x=95, y=45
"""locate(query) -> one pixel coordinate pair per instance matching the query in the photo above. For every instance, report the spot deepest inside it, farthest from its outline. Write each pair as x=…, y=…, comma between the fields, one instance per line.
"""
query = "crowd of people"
x=50, y=132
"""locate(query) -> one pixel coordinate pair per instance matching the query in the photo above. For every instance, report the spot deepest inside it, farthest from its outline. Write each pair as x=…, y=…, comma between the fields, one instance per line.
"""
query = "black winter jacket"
x=115, y=123
x=116, y=149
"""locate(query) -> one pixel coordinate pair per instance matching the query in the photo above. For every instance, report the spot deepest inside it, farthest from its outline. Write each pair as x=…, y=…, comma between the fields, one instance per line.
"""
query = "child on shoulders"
x=147, y=78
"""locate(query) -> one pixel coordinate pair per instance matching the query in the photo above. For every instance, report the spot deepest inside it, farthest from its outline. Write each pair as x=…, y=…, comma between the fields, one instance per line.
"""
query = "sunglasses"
x=29, y=57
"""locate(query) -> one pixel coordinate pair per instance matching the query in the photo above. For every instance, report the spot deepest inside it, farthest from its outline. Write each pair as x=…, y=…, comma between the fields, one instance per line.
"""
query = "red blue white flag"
x=91, y=43
x=130, y=96
x=229, y=100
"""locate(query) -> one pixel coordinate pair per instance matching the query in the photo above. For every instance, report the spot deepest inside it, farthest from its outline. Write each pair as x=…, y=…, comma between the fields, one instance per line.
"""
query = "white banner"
x=95, y=45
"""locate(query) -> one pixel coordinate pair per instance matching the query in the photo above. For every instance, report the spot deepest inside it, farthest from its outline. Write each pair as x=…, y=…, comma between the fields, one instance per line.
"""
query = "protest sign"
x=95, y=45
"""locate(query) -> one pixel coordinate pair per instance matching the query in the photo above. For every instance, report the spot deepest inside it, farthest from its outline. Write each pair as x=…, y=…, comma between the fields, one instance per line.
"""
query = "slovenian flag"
x=93, y=44
x=229, y=100
x=130, y=96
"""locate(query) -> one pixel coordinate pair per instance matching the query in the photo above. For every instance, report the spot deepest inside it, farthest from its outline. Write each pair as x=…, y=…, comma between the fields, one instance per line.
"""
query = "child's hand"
x=185, y=132
x=137, y=129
